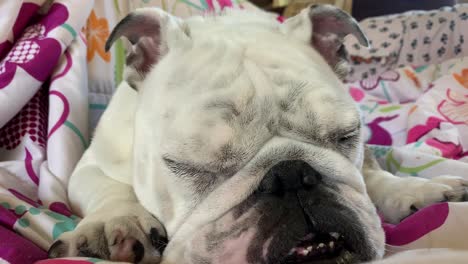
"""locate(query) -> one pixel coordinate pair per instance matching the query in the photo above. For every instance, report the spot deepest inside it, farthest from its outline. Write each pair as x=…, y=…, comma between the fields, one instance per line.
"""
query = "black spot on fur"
x=284, y=105
x=227, y=153
x=229, y=107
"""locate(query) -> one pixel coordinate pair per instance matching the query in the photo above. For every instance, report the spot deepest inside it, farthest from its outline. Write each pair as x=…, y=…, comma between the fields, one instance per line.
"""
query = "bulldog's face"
x=247, y=147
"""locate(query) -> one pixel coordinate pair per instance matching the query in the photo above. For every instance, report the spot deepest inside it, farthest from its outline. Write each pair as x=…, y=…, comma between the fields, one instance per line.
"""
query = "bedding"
x=415, y=119
x=367, y=8
x=55, y=82
x=412, y=38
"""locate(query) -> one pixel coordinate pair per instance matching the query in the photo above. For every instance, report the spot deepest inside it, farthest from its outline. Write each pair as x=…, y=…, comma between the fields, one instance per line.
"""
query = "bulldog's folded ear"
x=325, y=26
x=148, y=31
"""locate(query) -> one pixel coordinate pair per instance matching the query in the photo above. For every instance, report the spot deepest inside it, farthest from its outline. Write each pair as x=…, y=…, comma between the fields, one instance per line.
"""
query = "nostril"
x=310, y=180
x=289, y=175
x=310, y=177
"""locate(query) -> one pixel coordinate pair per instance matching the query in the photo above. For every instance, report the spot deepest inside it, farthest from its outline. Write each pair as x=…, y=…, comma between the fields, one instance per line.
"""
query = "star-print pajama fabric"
x=413, y=38
x=56, y=80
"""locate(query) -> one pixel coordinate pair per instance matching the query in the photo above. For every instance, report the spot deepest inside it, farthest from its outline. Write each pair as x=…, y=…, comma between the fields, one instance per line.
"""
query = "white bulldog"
x=238, y=144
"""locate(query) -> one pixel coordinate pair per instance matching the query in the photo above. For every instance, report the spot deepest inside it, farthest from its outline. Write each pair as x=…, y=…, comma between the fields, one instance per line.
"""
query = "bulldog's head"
x=247, y=146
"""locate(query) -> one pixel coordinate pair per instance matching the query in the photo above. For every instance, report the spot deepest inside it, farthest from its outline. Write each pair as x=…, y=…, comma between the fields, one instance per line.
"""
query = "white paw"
x=128, y=238
x=459, y=186
x=403, y=196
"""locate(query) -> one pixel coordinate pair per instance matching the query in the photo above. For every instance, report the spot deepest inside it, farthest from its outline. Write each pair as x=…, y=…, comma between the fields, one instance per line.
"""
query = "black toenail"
x=138, y=251
x=159, y=242
x=86, y=252
x=56, y=250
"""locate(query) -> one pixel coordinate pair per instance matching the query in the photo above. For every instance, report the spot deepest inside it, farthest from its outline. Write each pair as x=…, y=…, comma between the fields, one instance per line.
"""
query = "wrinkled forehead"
x=235, y=67
x=217, y=53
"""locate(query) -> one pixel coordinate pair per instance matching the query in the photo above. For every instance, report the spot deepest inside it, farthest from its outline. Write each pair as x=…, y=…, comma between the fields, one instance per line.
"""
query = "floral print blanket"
x=56, y=80
x=416, y=121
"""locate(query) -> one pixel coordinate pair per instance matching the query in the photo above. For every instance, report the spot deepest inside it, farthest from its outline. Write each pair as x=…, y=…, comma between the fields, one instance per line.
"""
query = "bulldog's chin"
x=320, y=248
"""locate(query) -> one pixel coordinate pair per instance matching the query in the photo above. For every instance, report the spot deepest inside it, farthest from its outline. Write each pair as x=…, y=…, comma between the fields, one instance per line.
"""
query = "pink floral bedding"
x=52, y=73
x=417, y=122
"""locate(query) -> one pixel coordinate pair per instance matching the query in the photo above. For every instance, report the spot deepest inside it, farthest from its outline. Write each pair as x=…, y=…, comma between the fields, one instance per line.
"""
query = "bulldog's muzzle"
x=323, y=242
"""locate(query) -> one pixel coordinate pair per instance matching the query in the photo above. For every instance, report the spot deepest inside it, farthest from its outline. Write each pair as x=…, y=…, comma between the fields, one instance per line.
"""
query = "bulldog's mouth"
x=321, y=248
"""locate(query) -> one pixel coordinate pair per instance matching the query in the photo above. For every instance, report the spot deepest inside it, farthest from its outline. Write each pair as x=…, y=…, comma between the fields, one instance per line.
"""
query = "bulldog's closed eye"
x=184, y=168
x=349, y=136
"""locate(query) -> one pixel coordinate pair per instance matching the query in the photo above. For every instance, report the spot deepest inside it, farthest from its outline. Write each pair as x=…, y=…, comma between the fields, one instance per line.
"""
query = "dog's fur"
x=218, y=103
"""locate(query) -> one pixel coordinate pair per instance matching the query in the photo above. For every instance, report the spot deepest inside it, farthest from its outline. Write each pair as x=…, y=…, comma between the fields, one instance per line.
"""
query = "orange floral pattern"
x=412, y=109
x=97, y=32
x=413, y=77
x=463, y=78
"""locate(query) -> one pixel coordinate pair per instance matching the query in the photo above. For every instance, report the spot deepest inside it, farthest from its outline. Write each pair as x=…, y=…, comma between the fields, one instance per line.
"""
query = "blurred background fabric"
x=362, y=9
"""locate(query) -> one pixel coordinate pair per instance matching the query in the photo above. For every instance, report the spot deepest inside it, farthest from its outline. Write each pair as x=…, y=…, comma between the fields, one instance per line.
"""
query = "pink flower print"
x=380, y=136
x=22, y=53
x=34, y=52
x=372, y=82
x=419, y=131
x=449, y=150
x=4, y=48
x=60, y=208
x=454, y=108
x=31, y=120
x=27, y=11
x=357, y=94
x=417, y=225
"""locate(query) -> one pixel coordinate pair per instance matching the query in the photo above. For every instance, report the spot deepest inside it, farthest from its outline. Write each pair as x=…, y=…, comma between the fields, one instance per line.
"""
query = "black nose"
x=289, y=176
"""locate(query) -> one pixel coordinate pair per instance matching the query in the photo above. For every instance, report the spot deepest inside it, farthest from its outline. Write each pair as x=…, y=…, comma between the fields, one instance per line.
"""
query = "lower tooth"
x=331, y=244
x=321, y=245
x=309, y=248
